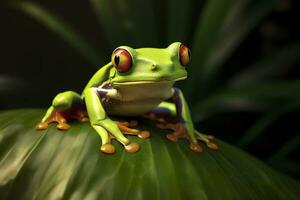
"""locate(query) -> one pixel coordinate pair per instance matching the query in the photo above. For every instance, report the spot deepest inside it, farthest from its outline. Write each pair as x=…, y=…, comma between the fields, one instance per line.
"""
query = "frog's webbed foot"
x=161, y=119
x=127, y=129
x=54, y=117
x=124, y=128
x=61, y=117
x=80, y=115
x=179, y=131
x=207, y=139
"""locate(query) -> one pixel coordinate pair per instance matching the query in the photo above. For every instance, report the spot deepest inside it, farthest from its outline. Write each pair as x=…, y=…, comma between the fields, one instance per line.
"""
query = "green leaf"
x=269, y=66
x=257, y=129
x=280, y=89
x=235, y=32
x=286, y=165
x=129, y=23
x=206, y=34
x=286, y=149
x=178, y=17
x=279, y=96
x=223, y=27
x=68, y=165
x=61, y=28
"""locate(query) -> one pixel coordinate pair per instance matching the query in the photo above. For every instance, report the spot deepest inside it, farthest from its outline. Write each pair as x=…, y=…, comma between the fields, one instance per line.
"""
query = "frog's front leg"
x=66, y=105
x=183, y=126
x=103, y=125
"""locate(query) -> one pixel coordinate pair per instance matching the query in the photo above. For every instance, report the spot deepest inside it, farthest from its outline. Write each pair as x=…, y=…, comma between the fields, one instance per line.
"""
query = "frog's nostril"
x=154, y=67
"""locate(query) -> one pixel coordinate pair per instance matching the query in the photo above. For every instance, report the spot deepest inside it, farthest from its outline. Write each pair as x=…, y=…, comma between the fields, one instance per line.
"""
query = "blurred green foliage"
x=213, y=29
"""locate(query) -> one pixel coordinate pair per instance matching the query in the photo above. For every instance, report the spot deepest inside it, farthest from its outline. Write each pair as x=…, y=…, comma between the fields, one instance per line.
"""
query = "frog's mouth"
x=162, y=80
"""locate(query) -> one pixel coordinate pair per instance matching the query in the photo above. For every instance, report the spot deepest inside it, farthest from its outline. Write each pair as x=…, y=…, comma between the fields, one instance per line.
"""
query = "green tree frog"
x=137, y=82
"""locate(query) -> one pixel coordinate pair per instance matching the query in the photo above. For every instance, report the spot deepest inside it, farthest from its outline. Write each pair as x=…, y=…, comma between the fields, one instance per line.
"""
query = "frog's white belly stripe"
x=136, y=99
x=132, y=108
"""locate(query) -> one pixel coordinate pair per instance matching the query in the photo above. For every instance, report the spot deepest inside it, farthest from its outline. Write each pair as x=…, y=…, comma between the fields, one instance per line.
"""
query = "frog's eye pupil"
x=121, y=60
x=184, y=55
x=117, y=60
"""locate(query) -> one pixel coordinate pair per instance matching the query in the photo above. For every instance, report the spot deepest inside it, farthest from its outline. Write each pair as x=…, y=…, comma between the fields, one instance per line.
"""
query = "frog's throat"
x=148, y=81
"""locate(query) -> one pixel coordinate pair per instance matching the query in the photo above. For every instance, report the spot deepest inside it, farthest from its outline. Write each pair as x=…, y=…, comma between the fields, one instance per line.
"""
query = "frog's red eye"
x=121, y=60
x=184, y=55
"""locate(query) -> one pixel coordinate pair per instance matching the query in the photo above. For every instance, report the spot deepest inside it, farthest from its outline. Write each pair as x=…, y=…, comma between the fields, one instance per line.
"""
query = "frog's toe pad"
x=41, y=126
x=84, y=119
x=196, y=148
x=132, y=147
x=108, y=148
x=63, y=126
x=172, y=137
x=144, y=134
x=212, y=146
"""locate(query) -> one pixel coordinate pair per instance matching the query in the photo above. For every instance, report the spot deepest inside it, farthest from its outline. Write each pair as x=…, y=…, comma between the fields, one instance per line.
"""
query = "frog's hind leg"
x=65, y=106
x=165, y=115
x=179, y=131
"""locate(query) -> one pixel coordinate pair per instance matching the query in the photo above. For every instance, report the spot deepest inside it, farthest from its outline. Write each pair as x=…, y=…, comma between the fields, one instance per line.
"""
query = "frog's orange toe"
x=84, y=119
x=196, y=148
x=126, y=130
x=132, y=147
x=172, y=137
x=63, y=126
x=41, y=126
x=108, y=148
x=144, y=134
x=212, y=146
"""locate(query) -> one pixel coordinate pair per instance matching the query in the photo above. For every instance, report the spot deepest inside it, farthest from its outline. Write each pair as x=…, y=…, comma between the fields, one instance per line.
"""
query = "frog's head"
x=149, y=64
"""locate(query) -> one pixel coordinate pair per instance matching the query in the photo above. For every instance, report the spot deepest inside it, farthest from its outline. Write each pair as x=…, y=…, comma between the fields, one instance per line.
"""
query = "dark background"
x=258, y=111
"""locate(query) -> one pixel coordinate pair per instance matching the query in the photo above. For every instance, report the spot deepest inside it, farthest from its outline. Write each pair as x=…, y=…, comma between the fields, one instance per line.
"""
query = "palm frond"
x=257, y=129
x=266, y=95
x=224, y=25
x=269, y=66
x=286, y=149
x=178, y=16
x=205, y=37
x=61, y=28
x=234, y=33
x=123, y=24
